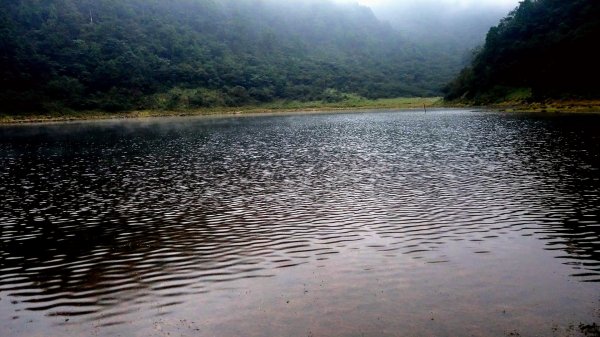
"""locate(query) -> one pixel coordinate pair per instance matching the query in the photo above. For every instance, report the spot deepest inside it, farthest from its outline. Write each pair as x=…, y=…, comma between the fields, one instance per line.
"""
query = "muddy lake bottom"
x=386, y=223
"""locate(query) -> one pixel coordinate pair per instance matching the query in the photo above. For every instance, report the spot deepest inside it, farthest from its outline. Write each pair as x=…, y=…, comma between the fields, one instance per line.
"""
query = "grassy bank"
x=279, y=106
x=548, y=106
x=551, y=106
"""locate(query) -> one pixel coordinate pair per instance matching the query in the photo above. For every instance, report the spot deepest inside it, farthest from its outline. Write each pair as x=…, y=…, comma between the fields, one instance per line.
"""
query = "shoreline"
x=271, y=108
x=139, y=114
x=592, y=106
x=550, y=106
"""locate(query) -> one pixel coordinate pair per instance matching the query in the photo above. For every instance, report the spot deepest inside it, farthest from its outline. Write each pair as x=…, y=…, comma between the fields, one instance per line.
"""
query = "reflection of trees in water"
x=90, y=230
x=579, y=237
x=97, y=218
x=563, y=155
x=94, y=228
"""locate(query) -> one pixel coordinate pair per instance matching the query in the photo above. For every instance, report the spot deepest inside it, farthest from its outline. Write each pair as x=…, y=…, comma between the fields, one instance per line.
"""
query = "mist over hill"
x=452, y=28
x=452, y=25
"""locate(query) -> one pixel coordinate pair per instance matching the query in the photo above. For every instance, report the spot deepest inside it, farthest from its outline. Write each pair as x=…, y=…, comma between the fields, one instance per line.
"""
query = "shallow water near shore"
x=390, y=223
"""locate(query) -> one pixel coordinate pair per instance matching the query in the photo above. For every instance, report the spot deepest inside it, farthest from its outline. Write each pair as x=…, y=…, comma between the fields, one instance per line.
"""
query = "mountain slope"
x=115, y=55
x=543, y=49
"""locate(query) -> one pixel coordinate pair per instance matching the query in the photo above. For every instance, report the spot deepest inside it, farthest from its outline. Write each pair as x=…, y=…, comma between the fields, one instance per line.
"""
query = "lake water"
x=393, y=223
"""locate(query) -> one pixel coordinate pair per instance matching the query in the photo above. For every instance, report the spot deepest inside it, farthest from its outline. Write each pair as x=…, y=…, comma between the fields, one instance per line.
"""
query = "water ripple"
x=95, y=215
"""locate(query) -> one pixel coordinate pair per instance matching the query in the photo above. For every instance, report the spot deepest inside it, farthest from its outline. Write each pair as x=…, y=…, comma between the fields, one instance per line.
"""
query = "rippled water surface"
x=450, y=223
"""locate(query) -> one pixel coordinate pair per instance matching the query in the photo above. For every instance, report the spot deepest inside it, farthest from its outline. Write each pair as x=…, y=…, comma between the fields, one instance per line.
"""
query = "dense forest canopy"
x=130, y=54
x=542, y=49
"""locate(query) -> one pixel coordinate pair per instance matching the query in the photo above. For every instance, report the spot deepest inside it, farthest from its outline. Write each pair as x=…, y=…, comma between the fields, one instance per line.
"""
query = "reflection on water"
x=379, y=224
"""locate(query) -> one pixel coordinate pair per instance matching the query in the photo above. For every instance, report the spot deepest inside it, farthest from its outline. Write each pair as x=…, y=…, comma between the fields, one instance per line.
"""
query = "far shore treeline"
x=154, y=54
x=130, y=55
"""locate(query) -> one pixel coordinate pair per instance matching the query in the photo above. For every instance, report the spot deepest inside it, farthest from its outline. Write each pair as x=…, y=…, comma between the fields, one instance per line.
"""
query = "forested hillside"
x=543, y=49
x=134, y=54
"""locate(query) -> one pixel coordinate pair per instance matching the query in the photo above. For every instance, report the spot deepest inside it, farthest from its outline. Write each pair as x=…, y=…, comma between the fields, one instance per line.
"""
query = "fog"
x=457, y=3
x=455, y=24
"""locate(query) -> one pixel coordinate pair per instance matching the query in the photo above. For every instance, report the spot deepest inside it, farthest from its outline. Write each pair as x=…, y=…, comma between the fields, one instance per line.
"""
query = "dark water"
x=450, y=223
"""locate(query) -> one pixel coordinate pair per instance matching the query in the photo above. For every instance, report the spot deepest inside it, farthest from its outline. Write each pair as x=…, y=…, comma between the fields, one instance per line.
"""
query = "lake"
x=389, y=223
